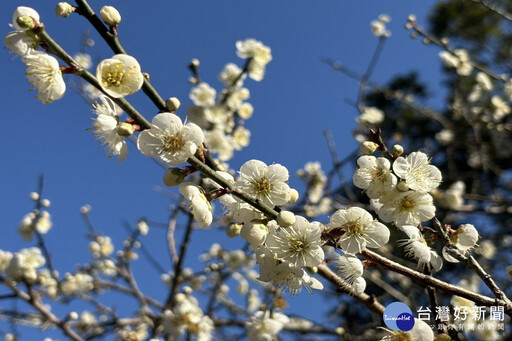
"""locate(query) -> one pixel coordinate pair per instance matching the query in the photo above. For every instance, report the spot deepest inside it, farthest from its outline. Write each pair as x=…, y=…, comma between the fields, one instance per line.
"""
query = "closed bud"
x=63, y=9
x=110, y=16
x=285, y=218
x=368, y=147
x=233, y=230
x=172, y=104
x=194, y=62
x=125, y=129
x=294, y=196
x=73, y=315
x=402, y=186
x=26, y=22
x=397, y=150
x=173, y=177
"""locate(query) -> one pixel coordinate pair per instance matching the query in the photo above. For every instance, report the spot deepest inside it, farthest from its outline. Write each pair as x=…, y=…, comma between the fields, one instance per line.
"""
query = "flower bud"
x=194, y=62
x=125, y=129
x=368, y=147
x=110, y=16
x=397, y=150
x=172, y=104
x=233, y=230
x=34, y=196
x=73, y=315
x=402, y=186
x=254, y=233
x=173, y=177
x=26, y=22
x=294, y=196
x=63, y=9
x=285, y=218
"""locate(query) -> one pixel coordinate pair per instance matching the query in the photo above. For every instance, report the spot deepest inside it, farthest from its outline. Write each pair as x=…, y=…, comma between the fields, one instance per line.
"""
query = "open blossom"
x=170, y=139
x=406, y=208
x=263, y=326
x=120, y=75
x=374, y=176
x=201, y=208
x=203, y=95
x=230, y=73
x=44, y=73
x=299, y=244
x=464, y=238
x=421, y=331
x=357, y=230
x=370, y=117
x=417, y=172
x=283, y=274
x=351, y=268
x=18, y=41
x=259, y=54
x=266, y=183
x=23, y=264
x=109, y=131
x=187, y=316
x=416, y=247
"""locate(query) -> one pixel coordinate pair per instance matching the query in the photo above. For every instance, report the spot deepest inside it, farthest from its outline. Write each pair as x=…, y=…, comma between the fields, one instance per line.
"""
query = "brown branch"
x=427, y=280
x=369, y=301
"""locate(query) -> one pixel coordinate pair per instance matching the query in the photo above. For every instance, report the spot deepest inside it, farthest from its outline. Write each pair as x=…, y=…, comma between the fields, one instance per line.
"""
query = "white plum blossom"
x=5, y=258
x=78, y=283
x=374, y=176
x=379, y=26
x=357, y=230
x=416, y=247
x=316, y=180
x=24, y=263
x=262, y=326
x=120, y=75
x=203, y=95
x=101, y=246
x=109, y=130
x=230, y=73
x=421, y=331
x=464, y=239
x=299, y=244
x=217, y=142
x=284, y=275
x=18, y=41
x=351, y=268
x=259, y=54
x=170, y=139
x=370, y=117
x=459, y=60
x=406, y=208
x=187, y=316
x=201, y=207
x=43, y=72
x=266, y=183
x=417, y=172
x=500, y=108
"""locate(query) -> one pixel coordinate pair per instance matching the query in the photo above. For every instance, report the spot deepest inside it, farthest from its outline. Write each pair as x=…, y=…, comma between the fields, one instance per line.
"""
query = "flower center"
x=354, y=227
x=297, y=245
x=262, y=187
x=115, y=75
x=406, y=204
x=173, y=143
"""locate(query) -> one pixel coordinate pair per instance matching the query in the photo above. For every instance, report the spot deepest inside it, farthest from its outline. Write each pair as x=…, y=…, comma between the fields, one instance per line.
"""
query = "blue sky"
x=297, y=100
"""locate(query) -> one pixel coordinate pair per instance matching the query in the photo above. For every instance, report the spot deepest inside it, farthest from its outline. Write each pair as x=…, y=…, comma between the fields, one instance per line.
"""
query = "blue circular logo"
x=398, y=317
